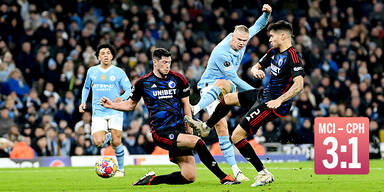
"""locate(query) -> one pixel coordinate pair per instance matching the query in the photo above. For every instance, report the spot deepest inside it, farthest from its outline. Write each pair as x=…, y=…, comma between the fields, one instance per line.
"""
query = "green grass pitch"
x=289, y=177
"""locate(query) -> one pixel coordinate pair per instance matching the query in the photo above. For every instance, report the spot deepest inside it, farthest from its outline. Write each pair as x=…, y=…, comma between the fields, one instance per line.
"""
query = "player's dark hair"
x=158, y=53
x=106, y=45
x=280, y=25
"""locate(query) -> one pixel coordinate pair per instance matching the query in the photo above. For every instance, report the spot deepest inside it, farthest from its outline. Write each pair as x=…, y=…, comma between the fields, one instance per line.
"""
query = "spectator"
x=5, y=122
x=288, y=134
x=16, y=83
x=7, y=65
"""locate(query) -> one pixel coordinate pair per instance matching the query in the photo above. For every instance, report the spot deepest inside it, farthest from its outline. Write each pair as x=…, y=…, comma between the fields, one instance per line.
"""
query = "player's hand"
x=117, y=100
x=274, y=104
x=267, y=8
x=82, y=107
x=105, y=102
x=257, y=72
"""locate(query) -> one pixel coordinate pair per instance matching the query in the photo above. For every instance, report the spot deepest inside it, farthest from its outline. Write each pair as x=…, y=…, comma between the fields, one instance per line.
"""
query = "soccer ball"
x=106, y=167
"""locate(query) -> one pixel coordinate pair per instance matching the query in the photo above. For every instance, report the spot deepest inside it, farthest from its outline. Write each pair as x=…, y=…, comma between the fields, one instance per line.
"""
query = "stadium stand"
x=46, y=48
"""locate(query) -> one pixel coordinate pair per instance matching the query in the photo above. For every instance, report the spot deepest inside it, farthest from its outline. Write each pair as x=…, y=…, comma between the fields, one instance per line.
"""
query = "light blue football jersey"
x=224, y=62
x=105, y=82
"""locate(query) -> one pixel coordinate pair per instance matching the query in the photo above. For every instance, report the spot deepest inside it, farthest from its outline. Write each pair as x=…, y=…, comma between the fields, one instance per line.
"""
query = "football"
x=106, y=167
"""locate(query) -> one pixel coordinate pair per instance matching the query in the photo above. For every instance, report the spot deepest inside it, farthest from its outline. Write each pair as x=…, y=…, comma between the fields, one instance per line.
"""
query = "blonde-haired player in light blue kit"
x=106, y=80
x=220, y=78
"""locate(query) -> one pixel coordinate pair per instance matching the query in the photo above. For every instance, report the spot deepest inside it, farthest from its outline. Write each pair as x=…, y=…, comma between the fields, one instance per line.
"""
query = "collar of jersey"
x=105, y=70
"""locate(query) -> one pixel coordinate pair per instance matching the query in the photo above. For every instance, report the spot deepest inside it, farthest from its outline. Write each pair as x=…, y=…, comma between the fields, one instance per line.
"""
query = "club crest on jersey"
x=103, y=77
x=227, y=64
x=171, y=84
x=171, y=136
x=112, y=78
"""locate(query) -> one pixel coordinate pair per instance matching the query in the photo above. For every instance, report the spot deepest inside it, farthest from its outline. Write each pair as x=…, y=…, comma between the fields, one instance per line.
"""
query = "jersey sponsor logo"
x=227, y=64
x=112, y=78
x=154, y=86
x=275, y=70
x=253, y=115
x=297, y=68
x=171, y=84
x=102, y=87
x=164, y=94
x=103, y=77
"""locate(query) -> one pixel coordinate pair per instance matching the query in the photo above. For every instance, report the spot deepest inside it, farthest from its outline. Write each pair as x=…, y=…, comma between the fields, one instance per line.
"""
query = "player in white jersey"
x=221, y=78
x=109, y=81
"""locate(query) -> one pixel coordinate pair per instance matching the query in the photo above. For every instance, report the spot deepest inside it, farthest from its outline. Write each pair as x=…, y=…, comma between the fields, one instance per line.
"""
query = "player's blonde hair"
x=241, y=28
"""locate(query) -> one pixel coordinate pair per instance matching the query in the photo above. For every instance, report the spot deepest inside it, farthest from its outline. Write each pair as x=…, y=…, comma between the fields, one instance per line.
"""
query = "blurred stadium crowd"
x=46, y=47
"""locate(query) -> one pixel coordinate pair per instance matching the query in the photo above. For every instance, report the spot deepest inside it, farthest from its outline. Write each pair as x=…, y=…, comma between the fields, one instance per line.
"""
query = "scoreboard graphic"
x=341, y=145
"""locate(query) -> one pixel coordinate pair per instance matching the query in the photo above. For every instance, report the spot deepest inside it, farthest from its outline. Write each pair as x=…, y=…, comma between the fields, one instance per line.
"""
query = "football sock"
x=208, y=160
x=208, y=98
x=220, y=112
x=247, y=151
x=108, y=138
x=119, y=150
x=196, y=109
x=227, y=149
x=173, y=178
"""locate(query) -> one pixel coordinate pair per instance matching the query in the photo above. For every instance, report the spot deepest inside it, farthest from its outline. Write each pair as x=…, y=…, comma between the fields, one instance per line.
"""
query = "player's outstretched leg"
x=208, y=160
x=207, y=98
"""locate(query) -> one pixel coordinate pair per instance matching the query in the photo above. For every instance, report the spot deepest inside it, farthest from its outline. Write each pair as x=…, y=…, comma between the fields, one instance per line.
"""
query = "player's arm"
x=85, y=92
x=228, y=69
x=185, y=91
x=187, y=112
x=261, y=22
x=128, y=105
x=257, y=69
x=296, y=88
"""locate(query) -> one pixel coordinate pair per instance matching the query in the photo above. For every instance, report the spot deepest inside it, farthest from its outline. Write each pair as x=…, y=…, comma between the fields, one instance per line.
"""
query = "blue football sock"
x=119, y=150
x=209, y=97
x=108, y=138
x=227, y=149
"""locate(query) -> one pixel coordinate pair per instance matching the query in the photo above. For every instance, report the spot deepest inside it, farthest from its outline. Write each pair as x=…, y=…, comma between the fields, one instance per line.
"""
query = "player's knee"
x=223, y=85
x=231, y=99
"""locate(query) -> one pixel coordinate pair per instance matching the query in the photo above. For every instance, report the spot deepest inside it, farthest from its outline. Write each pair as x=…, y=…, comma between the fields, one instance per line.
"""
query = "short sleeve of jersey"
x=265, y=61
x=183, y=85
x=295, y=63
x=137, y=90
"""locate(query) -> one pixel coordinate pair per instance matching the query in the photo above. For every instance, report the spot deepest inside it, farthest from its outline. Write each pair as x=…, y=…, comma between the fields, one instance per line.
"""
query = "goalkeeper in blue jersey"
x=106, y=80
x=221, y=78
